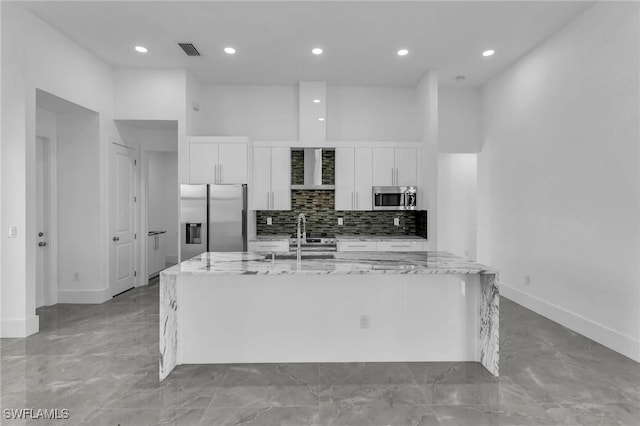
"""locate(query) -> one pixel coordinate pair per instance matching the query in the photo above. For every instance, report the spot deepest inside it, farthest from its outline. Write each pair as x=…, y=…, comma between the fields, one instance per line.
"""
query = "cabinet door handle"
x=221, y=174
x=392, y=177
x=215, y=173
x=272, y=203
x=267, y=200
x=397, y=176
x=353, y=202
x=400, y=245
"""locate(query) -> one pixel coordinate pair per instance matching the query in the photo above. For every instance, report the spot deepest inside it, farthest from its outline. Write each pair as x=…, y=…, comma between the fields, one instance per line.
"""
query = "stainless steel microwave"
x=395, y=198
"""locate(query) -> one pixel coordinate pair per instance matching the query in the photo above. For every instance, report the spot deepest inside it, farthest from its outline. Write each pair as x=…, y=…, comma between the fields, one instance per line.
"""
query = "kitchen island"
x=331, y=307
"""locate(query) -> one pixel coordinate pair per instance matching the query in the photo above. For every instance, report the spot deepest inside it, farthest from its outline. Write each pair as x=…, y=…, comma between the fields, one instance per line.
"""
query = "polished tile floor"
x=100, y=362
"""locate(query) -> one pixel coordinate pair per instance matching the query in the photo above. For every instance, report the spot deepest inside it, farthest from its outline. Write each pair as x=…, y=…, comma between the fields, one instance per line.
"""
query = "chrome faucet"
x=301, y=220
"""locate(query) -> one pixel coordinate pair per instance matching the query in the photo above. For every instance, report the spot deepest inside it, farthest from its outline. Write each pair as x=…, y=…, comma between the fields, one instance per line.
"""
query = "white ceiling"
x=274, y=39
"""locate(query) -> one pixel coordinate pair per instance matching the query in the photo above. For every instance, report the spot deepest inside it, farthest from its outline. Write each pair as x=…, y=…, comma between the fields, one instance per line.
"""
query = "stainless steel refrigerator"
x=212, y=218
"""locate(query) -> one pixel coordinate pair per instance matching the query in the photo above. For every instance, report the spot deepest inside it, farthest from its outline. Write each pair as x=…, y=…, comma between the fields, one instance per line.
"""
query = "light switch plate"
x=340, y=221
x=13, y=231
x=269, y=221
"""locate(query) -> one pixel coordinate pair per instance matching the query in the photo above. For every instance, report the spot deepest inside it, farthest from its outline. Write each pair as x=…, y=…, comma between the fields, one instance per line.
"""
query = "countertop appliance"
x=315, y=241
x=395, y=198
x=212, y=218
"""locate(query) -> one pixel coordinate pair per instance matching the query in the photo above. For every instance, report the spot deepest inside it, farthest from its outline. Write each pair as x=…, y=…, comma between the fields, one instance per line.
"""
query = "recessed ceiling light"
x=141, y=49
x=229, y=50
x=403, y=52
x=316, y=101
x=316, y=51
x=321, y=119
x=488, y=52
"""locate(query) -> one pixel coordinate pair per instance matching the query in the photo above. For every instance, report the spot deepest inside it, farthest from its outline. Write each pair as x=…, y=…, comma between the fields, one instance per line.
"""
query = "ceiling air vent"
x=189, y=49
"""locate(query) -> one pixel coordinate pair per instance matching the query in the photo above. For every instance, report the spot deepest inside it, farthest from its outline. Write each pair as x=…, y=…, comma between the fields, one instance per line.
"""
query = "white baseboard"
x=612, y=339
x=19, y=327
x=84, y=296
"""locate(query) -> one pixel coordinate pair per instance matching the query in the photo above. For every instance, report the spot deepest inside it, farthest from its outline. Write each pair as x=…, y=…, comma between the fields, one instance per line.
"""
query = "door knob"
x=40, y=234
x=116, y=238
x=42, y=244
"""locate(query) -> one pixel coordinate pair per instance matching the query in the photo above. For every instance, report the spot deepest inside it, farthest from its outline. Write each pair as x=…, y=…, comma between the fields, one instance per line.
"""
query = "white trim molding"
x=612, y=339
x=84, y=296
x=20, y=327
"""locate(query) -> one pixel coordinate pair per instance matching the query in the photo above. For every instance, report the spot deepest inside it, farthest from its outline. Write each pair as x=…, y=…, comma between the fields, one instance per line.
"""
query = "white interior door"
x=43, y=256
x=123, y=214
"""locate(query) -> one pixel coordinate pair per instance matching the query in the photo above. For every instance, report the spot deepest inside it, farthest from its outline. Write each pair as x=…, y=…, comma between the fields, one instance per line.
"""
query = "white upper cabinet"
x=261, y=187
x=203, y=162
x=344, y=175
x=395, y=166
x=232, y=163
x=353, y=176
x=271, y=188
x=280, y=178
x=216, y=162
x=406, y=160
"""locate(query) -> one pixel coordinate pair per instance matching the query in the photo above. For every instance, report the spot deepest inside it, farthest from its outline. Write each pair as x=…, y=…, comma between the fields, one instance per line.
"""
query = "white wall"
x=150, y=94
x=152, y=135
x=163, y=196
x=459, y=119
x=457, y=209
x=78, y=151
x=357, y=113
x=559, y=169
x=194, y=120
x=34, y=55
x=260, y=112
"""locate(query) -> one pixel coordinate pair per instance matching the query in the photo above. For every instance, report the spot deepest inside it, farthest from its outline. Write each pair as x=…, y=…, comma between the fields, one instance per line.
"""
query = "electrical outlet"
x=396, y=221
x=269, y=221
x=13, y=231
x=340, y=221
x=364, y=321
x=527, y=280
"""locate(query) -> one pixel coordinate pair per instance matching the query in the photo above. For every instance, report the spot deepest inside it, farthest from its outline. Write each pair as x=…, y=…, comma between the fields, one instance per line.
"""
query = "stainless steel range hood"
x=313, y=170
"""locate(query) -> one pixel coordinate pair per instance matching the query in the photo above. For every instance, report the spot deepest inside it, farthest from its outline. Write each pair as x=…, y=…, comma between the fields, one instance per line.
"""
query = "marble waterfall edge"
x=489, y=323
x=168, y=323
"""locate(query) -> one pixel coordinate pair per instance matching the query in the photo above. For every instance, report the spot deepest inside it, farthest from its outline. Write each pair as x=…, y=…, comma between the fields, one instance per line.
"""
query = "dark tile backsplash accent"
x=328, y=167
x=318, y=207
x=297, y=167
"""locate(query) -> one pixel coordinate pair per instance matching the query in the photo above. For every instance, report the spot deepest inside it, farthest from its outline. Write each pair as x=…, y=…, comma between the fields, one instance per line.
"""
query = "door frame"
x=144, y=210
x=50, y=145
x=136, y=215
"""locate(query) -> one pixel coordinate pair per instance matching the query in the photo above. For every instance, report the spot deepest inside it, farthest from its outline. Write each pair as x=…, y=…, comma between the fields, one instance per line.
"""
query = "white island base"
x=335, y=316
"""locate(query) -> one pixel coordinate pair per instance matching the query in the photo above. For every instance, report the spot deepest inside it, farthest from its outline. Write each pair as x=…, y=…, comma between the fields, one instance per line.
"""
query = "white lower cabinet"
x=400, y=246
x=357, y=246
x=392, y=245
x=270, y=246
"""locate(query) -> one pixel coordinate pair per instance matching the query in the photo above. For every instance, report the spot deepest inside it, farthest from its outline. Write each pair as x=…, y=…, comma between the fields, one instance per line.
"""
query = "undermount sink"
x=304, y=256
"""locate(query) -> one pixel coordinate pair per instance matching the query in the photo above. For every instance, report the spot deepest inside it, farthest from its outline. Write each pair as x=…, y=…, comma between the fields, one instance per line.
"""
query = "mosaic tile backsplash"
x=318, y=207
x=328, y=167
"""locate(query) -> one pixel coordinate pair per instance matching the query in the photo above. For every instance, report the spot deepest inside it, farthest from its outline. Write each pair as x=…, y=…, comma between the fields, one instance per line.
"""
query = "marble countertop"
x=254, y=263
x=346, y=238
